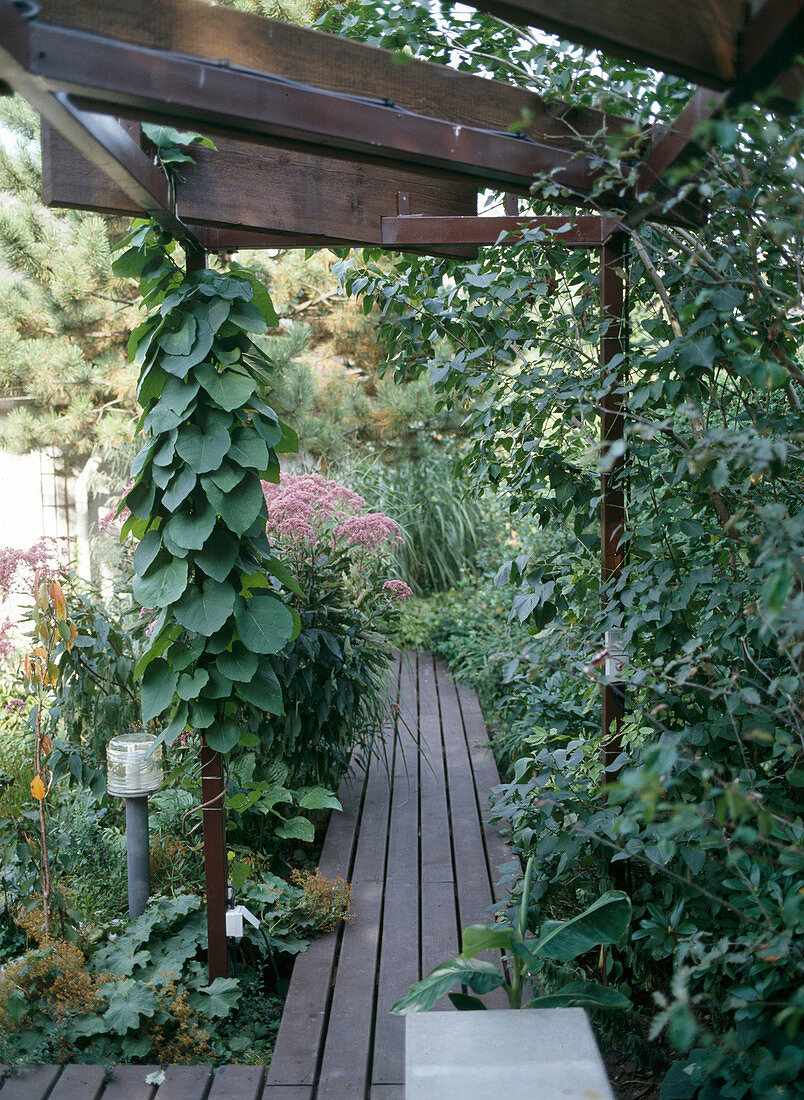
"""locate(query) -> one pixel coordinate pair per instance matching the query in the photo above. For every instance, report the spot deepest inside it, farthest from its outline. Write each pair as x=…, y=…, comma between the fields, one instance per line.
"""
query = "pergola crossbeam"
x=131, y=81
x=579, y=231
x=722, y=44
x=103, y=140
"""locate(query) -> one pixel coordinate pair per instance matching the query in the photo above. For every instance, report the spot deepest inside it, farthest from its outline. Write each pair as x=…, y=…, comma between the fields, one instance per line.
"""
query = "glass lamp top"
x=130, y=771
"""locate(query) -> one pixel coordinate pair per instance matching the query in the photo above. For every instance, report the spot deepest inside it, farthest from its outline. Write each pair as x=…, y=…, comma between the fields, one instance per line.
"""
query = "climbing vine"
x=203, y=562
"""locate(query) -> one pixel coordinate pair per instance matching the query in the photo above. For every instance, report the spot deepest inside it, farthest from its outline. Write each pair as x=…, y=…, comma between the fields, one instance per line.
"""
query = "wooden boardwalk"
x=422, y=858
x=416, y=843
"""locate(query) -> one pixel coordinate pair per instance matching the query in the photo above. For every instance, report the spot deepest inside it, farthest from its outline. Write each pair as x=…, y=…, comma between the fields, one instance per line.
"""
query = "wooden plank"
x=185, y=1083
x=403, y=839
x=474, y=891
x=578, y=231
x=238, y=40
x=436, y=855
x=399, y=969
x=277, y=189
x=486, y=777
x=85, y=1082
x=696, y=39
x=439, y=925
x=128, y=1083
x=287, y=1092
x=387, y=1092
x=302, y=1026
x=344, y=1068
x=33, y=1083
x=237, y=1083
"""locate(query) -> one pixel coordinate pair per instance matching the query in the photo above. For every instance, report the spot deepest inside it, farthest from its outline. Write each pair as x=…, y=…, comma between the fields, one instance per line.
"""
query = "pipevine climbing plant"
x=203, y=563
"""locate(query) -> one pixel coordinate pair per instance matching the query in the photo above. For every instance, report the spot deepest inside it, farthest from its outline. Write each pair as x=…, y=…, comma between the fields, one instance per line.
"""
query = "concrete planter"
x=532, y=1054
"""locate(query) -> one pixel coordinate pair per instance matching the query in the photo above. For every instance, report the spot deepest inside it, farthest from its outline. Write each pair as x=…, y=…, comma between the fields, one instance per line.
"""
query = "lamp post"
x=133, y=771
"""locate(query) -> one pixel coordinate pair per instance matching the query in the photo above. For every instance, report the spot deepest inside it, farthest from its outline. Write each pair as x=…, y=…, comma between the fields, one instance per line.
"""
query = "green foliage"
x=196, y=502
x=333, y=676
x=64, y=316
x=143, y=996
x=704, y=822
x=445, y=530
x=602, y=923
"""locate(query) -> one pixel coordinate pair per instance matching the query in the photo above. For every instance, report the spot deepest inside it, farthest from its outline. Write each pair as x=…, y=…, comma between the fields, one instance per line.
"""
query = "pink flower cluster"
x=307, y=508
x=6, y=644
x=108, y=520
x=18, y=567
x=398, y=590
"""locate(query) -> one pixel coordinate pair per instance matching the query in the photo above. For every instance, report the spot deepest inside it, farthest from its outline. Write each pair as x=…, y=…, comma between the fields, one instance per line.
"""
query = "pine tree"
x=64, y=323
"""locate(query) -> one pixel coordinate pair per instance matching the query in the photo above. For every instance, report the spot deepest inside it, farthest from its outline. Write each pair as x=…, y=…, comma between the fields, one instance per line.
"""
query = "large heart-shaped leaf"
x=179, y=488
x=203, y=451
x=296, y=828
x=229, y=389
x=223, y=736
x=239, y=508
x=190, y=684
x=581, y=995
x=602, y=923
x=248, y=449
x=202, y=713
x=263, y=691
x=191, y=529
x=177, y=395
x=147, y=549
x=226, y=477
x=204, y=610
x=163, y=583
x=219, y=686
x=158, y=686
x=480, y=937
x=179, y=340
x=181, y=364
x=219, y=554
x=264, y=623
x=479, y=975
x=163, y=455
x=239, y=664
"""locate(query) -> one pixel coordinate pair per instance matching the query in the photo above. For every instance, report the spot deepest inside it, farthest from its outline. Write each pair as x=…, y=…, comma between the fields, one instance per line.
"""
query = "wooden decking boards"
x=422, y=856
x=415, y=841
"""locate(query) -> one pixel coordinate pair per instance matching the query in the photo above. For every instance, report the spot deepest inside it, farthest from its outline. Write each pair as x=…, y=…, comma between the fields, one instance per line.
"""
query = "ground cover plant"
x=703, y=824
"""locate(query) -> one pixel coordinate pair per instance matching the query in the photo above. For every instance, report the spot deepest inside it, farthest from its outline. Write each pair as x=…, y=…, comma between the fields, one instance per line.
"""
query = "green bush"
x=334, y=675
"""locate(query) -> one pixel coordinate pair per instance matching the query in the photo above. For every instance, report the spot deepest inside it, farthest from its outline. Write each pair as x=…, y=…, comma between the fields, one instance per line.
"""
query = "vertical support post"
x=138, y=854
x=612, y=503
x=215, y=865
x=216, y=870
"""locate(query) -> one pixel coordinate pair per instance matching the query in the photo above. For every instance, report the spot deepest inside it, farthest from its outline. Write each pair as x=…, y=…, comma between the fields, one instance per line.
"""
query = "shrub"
x=334, y=675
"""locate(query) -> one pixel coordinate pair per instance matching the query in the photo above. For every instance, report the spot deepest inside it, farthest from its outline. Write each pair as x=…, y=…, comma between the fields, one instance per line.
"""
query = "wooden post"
x=216, y=871
x=215, y=864
x=612, y=504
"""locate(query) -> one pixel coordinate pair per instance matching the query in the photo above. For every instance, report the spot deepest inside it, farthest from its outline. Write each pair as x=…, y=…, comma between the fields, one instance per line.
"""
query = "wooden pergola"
x=334, y=143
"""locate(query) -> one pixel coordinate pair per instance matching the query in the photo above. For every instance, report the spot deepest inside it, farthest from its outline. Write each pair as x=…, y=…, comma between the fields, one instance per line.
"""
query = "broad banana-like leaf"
x=479, y=975
x=603, y=922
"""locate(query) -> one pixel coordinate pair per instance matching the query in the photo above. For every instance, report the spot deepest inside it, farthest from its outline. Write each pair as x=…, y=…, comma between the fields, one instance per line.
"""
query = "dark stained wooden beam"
x=283, y=198
x=613, y=368
x=236, y=40
x=106, y=144
x=696, y=39
x=722, y=44
x=770, y=44
x=103, y=75
x=578, y=231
